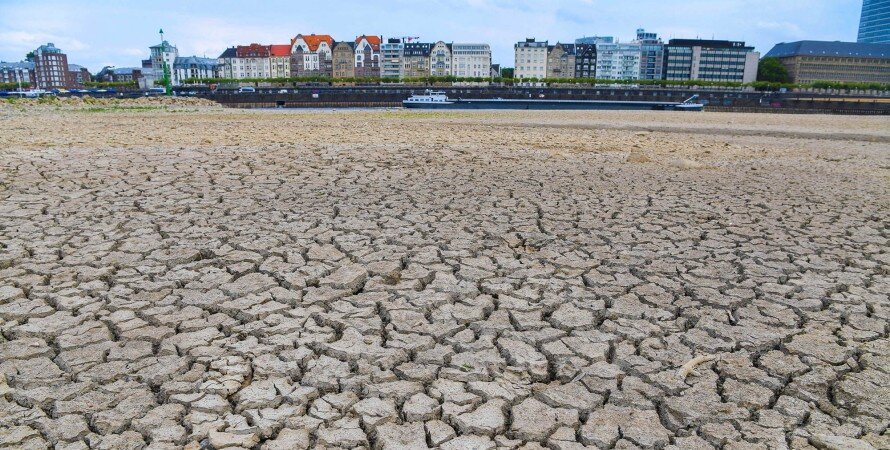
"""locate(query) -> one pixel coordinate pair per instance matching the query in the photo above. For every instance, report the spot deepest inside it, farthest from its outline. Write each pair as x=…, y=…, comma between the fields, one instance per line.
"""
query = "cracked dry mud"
x=381, y=279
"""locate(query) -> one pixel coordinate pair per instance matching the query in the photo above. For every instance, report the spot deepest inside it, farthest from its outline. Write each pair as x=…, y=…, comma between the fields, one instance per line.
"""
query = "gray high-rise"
x=874, y=26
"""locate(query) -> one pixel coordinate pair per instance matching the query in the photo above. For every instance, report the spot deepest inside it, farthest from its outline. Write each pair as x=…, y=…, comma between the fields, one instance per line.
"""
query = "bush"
x=847, y=85
x=112, y=84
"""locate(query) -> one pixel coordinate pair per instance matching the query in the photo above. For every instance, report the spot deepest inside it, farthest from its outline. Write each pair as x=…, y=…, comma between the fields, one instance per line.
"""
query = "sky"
x=98, y=33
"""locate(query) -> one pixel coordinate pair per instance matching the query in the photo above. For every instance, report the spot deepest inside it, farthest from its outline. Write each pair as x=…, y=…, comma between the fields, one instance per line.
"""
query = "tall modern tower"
x=874, y=27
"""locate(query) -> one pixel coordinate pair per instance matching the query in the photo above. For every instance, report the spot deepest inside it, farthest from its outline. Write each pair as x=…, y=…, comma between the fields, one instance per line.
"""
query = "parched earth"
x=208, y=278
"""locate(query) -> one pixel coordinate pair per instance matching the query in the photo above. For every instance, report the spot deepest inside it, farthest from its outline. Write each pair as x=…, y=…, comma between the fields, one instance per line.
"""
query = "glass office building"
x=874, y=26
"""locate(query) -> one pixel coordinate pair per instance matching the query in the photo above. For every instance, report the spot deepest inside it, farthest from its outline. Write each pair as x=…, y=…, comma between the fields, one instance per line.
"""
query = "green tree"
x=506, y=72
x=771, y=69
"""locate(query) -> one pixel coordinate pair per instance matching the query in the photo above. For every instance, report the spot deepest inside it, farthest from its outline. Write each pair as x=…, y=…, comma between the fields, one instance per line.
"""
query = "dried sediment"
x=385, y=279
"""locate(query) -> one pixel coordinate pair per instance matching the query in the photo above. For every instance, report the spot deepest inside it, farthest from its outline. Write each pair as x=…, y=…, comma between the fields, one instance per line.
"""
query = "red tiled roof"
x=373, y=40
x=252, y=50
x=314, y=40
x=280, y=49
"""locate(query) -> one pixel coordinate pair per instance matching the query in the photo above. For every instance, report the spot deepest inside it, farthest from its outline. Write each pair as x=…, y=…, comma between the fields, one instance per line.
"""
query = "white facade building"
x=193, y=67
x=752, y=63
x=312, y=54
x=530, y=59
x=471, y=60
x=254, y=67
x=618, y=61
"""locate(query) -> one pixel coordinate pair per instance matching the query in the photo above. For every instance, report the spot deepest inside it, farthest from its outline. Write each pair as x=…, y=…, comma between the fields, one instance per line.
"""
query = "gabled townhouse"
x=561, y=61
x=440, y=59
x=311, y=55
x=416, y=60
x=343, y=59
x=367, y=56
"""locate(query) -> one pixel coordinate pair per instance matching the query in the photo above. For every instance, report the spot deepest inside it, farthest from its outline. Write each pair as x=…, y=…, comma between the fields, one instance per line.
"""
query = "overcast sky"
x=96, y=33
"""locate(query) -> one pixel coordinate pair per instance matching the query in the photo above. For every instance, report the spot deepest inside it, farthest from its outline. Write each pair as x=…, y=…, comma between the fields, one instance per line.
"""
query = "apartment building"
x=51, y=68
x=471, y=60
x=617, y=61
x=809, y=61
x=651, y=55
x=392, y=54
x=416, y=60
x=227, y=64
x=193, y=67
x=585, y=60
x=17, y=72
x=252, y=61
x=530, y=59
x=710, y=60
x=279, y=60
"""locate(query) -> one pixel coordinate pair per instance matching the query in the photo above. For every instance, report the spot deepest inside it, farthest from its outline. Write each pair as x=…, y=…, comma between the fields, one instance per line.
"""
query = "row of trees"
x=12, y=86
x=763, y=85
x=112, y=84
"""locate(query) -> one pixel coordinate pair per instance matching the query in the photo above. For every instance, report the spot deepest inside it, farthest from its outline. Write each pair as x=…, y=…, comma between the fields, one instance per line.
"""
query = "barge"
x=439, y=100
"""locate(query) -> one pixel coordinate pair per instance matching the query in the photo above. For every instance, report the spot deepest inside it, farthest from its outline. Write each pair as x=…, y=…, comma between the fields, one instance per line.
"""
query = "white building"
x=471, y=60
x=710, y=60
x=530, y=59
x=194, y=67
x=616, y=61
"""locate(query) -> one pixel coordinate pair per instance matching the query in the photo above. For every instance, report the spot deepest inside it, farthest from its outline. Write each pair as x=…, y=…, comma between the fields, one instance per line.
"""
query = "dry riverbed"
x=182, y=275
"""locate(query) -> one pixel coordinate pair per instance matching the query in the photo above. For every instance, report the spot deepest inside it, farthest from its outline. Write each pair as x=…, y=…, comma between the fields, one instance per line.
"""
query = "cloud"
x=99, y=31
x=210, y=36
x=25, y=41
